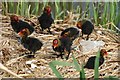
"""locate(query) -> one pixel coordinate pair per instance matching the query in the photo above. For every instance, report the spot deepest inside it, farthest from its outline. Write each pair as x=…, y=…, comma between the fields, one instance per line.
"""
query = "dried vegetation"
x=11, y=49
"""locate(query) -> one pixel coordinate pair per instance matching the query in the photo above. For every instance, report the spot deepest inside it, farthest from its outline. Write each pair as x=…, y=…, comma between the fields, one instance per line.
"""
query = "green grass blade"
x=62, y=12
x=11, y=5
x=97, y=12
x=78, y=9
x=52, y=66
x=45, y=3
x=62, y=63
x=36, y=8
x=95, y=15
x=82, y=74
x=112, y=9
x=112, y=14
x=18, y=5
x=6, y=7
x=117, y=16
x=57, y=8
x=77, y=66
x=96, y=71
x=87, y=10
x=90, y=14
x=28, y=11
x=22, y=8
x=64, y=8
x=104, y=14
x=32, y=9
x=70, y=5
x=3, y=7
x=111, y=78
x=59, y=63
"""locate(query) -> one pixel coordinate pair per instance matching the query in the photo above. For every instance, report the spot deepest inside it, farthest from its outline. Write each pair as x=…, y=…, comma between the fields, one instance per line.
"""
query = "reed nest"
x=10, y=49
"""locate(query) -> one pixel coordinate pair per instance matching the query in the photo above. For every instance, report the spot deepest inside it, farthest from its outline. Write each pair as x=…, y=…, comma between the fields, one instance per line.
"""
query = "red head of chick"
x=46, y=19
x=30, y=43
x=62, y=45
x=47, y=9
x=19, y=25
x=24, y=33
x=14, y=18
x=91, y=61
x=86, y=27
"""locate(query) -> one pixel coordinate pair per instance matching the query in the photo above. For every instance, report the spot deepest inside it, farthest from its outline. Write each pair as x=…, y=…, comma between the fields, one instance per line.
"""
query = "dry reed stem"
x=9, y=71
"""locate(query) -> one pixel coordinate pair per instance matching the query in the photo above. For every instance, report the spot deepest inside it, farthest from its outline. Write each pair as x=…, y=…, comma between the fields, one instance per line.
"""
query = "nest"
x=10, y=49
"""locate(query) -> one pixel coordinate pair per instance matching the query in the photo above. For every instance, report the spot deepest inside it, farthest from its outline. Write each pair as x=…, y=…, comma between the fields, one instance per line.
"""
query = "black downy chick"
x=19, y=25
x=86, y=27
x=62, y=45
x=91, y=61
x=30, y=43
x=46, y=19
x=71, y=32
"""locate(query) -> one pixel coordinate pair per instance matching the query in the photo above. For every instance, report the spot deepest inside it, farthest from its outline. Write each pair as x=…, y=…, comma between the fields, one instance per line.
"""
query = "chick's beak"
x=55, y=46
x=20, y=34
x=106, y=53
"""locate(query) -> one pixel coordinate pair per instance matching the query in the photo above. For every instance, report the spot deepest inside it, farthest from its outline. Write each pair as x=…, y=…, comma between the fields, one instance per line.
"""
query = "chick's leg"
x=67, y=56
x=82, y=36
x=87, y=37
x=30, y=55
x=49, y=31
x=60, y=55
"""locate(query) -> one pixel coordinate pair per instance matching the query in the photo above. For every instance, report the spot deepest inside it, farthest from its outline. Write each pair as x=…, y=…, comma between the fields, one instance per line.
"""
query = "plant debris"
x=10, y=49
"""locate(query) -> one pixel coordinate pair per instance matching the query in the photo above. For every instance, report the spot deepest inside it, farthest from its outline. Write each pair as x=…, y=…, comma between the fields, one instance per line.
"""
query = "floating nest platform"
x=11, y=49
